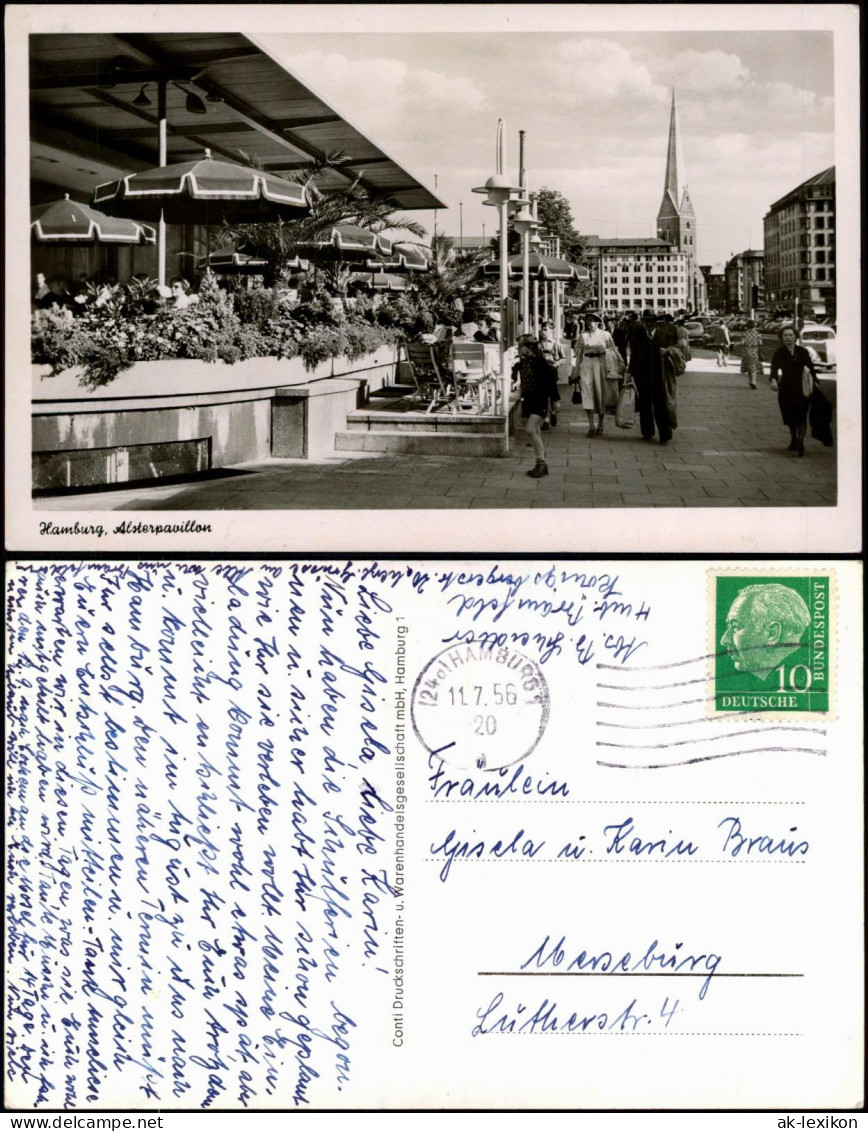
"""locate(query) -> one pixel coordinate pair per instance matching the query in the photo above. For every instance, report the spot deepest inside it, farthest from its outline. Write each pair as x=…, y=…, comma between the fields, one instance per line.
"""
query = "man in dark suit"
x=645, y=369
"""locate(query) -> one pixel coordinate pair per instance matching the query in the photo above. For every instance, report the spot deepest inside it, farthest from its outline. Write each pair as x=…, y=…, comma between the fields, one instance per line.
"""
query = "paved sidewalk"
x=729, y=451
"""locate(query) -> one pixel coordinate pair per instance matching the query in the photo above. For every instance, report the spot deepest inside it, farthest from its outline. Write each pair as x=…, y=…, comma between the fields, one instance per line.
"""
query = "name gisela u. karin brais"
x=621, y=839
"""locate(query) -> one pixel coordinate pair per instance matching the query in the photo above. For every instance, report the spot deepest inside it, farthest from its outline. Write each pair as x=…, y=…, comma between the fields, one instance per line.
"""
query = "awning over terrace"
x=94, y=113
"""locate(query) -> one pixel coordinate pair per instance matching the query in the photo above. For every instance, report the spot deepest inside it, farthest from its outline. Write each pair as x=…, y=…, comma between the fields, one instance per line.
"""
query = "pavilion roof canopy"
x=85, y=128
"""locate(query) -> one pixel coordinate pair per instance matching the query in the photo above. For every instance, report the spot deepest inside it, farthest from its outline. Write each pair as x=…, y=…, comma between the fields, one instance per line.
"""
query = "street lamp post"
x=535, y=240
x=499, y=193
x=161, y=141
x=522, y=223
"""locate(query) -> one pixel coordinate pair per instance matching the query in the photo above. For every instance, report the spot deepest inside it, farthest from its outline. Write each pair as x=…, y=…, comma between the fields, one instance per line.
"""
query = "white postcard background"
x=739, y=530
x=247, y=911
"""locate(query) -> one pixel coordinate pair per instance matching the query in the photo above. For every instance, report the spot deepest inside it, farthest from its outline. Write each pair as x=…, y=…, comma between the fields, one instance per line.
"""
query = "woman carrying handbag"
x=590, y=371
x=793, y=378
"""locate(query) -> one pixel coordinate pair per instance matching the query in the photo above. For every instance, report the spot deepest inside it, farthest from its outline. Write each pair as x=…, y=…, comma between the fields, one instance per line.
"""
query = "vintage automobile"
x=820, y=339
x=695, y=333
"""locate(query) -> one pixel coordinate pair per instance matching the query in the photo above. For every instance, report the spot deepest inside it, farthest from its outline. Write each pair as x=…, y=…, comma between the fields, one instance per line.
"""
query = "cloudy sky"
x=756, y=113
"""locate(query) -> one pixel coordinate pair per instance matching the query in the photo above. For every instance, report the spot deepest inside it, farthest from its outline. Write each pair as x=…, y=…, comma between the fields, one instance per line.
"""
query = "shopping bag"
x=625, y=413
x=611, y=392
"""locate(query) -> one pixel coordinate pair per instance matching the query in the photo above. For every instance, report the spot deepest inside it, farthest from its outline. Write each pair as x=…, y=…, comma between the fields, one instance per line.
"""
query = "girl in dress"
x=539, y=387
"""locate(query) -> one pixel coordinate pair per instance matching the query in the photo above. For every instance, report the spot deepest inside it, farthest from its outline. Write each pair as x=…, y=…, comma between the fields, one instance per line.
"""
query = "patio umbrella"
x=544, y=268
x=68, y=222
x=403, y=257
x=345, y=242
x=231, y=261
x=380, y=281
x=203, y=192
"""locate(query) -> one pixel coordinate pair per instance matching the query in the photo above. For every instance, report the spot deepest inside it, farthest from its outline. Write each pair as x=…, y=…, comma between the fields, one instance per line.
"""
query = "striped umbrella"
x=544, y=268
x=346, y=242
x=231, y=261
x=68, y=222
x=203, y=192
x=380, y=281
x=403, y=257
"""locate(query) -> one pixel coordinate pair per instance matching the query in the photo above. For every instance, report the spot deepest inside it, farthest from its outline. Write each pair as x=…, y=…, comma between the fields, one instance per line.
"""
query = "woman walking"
x=750, y=353
x=793, y=378
x=538, y=383
x=722, y=342
x=590, y=371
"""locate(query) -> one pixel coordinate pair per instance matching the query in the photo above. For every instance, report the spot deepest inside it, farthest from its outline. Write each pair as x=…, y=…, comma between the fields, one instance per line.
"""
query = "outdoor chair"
x=432, y=386
x=470, y=380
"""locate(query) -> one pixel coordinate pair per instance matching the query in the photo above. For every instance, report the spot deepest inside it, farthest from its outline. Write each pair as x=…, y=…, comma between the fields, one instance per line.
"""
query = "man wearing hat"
x=645, y=370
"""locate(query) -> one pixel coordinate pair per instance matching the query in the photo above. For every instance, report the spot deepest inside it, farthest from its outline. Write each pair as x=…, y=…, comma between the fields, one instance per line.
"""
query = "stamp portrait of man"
x=765, y=624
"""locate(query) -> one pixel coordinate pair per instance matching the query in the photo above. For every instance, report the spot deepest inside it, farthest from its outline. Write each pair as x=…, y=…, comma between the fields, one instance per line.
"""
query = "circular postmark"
x=480, y=708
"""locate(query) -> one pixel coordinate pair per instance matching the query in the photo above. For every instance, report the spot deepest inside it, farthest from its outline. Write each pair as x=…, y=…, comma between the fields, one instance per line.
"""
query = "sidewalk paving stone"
x=729, y=450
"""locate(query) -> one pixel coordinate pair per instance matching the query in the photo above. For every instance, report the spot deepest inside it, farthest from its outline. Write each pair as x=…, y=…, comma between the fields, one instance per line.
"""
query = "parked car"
x=695, y=333
x=820, y=340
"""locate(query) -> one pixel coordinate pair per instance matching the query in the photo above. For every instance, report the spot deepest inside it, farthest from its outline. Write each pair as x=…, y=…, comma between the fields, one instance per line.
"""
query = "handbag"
x=625, y=413
x=807, y=382
x=577, y=394
x=820, y=417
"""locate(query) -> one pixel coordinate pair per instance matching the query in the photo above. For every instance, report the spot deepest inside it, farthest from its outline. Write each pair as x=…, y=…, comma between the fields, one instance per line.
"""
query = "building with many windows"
x=474, y=244
x=637, y=274
x=715, y=286
x=744, y=272
x=799, y=235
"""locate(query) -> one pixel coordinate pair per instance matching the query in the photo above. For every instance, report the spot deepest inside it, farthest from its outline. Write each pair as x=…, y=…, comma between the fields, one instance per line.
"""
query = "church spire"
x=676, y=220
x=671, y=183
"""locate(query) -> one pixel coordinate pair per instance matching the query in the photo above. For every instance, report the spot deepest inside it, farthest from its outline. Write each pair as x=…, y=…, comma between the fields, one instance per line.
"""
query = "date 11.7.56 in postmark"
x=481, y=708
x=773, y=642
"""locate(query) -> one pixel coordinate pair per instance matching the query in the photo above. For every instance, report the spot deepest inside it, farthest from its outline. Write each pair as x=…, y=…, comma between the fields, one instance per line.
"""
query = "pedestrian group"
x=644, y=356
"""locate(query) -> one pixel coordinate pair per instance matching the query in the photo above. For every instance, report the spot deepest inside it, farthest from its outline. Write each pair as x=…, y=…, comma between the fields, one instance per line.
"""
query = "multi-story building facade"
x=473, y=243
x=742, y=273
x=799, y=236
x=637, y=274
x=715, y=286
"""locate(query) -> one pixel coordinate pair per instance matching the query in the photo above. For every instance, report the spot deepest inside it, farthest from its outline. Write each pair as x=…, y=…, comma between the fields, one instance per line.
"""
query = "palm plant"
x=351, y=204
x=449, y=277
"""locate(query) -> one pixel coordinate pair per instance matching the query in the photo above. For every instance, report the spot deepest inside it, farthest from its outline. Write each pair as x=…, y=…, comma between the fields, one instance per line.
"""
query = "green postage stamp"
x=772, y=642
